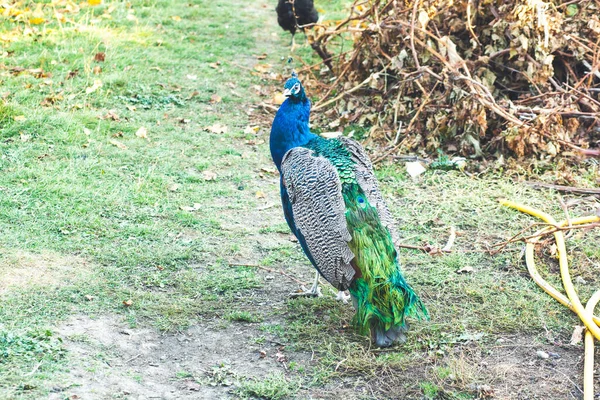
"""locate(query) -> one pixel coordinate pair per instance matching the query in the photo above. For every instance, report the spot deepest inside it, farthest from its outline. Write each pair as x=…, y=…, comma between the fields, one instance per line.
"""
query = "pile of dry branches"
x=469, y=77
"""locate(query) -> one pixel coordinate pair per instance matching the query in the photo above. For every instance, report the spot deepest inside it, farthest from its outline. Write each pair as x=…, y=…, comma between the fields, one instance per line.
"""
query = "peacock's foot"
x=312, y=292
x=342, y=296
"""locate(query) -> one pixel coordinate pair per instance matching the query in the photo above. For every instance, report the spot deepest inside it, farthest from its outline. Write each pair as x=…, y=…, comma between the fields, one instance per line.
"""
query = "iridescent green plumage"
x=383, y=297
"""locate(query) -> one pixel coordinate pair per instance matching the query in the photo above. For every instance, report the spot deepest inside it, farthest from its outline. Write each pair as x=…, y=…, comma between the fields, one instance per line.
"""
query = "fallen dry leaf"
x=176, y=18
x=37, y=17
x=97, y=70
x=99, y=57
x=142, y=133
x=193, y=94
x=36, y=21
x=251, y=130
x=191, y=77
x=263, y=67
x=269, y=170
x=195, y=207
x=20, y=118
x=118, y=144
x=111, y=115
x=260, y=194
x=128, y=303
x=97, y=85
x=577, y=335
x=173, y=187
x=215, y=98
x=209, y=175
x=51, y=100
x=217, y=128
x=280, y=357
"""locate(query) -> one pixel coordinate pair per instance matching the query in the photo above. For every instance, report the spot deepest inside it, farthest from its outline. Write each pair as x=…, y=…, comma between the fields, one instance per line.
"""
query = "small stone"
x=542, y=354
x=580, y=280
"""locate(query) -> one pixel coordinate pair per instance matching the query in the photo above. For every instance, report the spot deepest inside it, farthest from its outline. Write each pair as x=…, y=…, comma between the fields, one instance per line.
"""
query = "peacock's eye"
x=296, y=88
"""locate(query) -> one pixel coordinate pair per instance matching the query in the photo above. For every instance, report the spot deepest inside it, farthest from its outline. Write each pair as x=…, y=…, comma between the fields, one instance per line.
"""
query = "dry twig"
x=271, y=270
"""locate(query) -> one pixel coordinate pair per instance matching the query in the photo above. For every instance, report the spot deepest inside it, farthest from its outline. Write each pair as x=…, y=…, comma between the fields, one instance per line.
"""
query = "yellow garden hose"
x=529, y=257
x=588, y=365
x=586, y=315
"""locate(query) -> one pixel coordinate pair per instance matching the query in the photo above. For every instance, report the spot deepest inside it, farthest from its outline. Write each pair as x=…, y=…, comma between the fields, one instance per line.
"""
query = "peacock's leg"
x=292, y=43
x=314, y=291
x=342, y=296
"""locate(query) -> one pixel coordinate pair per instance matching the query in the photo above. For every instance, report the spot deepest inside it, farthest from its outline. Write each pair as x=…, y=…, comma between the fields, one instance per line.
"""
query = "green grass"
x=272, y=387
x=243, y=316
x=78, y=184
x=67, y=189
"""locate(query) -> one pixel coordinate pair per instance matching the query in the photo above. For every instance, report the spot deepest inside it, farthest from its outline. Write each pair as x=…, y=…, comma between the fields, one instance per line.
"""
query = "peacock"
x=332, y=203
x=294, y=14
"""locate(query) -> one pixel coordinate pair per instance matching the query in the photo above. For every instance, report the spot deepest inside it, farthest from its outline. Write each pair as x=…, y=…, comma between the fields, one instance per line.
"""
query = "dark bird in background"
x=294, y=14
x=332, y=203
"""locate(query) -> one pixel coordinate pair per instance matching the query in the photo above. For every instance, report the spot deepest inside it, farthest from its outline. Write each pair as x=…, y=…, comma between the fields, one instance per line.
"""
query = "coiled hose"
x=591, y=322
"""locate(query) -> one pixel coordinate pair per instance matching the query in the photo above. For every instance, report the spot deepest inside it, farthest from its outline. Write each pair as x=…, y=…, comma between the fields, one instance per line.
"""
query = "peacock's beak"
x=287, y=92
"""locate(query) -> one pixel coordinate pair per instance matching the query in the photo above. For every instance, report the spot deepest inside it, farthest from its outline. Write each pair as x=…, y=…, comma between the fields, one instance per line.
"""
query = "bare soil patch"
x=25, y=269
x=108, y=359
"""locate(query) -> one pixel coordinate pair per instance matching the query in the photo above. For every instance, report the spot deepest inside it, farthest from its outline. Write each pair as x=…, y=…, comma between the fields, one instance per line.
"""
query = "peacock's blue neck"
x=290, y=128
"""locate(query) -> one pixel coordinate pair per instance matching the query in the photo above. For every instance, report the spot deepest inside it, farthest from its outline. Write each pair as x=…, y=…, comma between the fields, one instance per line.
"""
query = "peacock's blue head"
x=293, y=89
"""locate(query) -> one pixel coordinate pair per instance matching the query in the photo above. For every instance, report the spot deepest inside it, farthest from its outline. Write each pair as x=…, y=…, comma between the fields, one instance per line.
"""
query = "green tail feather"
x=384, y=299
x=385, y=304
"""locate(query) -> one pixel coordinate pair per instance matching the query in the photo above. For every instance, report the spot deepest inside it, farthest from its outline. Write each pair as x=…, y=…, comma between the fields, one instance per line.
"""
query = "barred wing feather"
x=315, y=192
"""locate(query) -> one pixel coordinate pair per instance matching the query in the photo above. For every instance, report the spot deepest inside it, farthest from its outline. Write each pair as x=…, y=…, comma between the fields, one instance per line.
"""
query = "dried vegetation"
x=469, y=77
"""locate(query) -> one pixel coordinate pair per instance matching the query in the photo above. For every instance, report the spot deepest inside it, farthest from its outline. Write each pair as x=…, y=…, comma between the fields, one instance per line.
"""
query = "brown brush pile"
x=469, y=77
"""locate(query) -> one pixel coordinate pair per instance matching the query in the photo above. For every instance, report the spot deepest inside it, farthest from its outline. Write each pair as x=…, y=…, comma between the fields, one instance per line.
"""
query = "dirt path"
x=203, y=362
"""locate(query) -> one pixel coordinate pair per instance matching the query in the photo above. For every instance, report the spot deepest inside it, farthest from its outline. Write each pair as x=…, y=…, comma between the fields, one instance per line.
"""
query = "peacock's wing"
x=318, y=212
x=366, y=179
